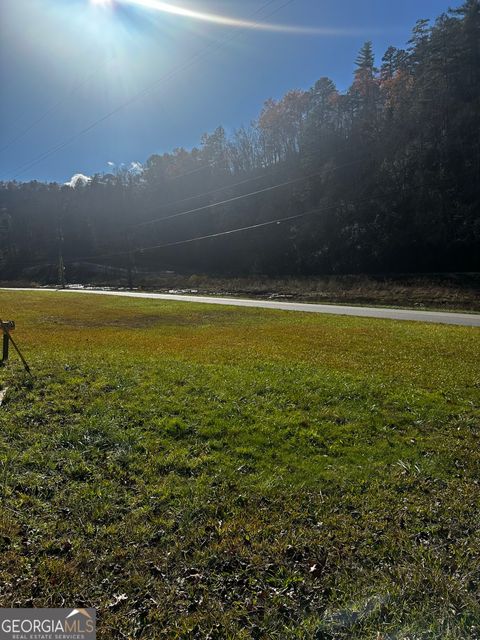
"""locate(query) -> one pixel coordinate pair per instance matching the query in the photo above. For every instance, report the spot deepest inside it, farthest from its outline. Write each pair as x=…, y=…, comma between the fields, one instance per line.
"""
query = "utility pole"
x=61, y=266
x=60, y=263
x=127, y=186
x=131, y=261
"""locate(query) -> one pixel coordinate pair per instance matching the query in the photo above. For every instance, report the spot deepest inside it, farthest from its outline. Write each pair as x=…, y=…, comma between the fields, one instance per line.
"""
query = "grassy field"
x=217, y=473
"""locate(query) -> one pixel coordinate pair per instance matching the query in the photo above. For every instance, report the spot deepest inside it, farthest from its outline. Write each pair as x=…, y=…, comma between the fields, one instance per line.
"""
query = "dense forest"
x=384, y=177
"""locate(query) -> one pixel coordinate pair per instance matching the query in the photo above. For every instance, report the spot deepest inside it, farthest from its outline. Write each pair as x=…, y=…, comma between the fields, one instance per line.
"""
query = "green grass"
x=218, y=473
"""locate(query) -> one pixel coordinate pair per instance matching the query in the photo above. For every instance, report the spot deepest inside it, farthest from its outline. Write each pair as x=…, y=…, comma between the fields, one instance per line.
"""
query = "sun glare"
x=224, y=20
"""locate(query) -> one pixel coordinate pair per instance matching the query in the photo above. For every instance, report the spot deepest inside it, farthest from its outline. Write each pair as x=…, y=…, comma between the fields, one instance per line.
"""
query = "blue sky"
x=81, y=61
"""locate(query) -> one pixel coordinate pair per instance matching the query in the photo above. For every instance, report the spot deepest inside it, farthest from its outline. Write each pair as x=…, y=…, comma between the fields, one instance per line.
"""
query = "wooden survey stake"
x=7, y=327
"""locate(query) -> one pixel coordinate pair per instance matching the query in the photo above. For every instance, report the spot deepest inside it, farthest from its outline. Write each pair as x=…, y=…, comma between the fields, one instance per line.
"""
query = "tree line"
x=384, y=177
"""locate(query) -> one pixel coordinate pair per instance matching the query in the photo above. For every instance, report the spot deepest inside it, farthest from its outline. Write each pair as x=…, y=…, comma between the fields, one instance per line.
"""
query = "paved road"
x=442, y=317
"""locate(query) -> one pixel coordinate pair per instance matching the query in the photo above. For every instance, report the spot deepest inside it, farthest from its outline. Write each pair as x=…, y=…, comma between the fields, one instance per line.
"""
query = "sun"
x=102, y=3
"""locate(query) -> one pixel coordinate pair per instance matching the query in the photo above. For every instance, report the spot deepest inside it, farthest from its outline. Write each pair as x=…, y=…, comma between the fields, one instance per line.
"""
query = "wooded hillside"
x=382, y=178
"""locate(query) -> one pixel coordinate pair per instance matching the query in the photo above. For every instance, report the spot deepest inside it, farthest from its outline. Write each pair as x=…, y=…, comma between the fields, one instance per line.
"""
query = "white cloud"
x=78, y=179
x=136, y=168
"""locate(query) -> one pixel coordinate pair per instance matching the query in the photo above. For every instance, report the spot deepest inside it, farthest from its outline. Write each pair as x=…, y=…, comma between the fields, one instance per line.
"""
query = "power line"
x=208, y=193
x=232, y=185
x=52, y=109
x=205, y=237
x=223, y=202
x=228, y=201
x=141, y=94
x=240, y=229
x=211, y=164
x=264, y=224
x=236, y=198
